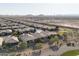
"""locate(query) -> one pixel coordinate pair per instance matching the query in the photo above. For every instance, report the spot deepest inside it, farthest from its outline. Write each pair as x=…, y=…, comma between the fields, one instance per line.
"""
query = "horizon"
x=37, y=9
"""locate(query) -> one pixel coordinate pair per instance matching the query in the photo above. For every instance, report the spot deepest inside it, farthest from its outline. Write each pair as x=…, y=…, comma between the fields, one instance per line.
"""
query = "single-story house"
x=37, y=35
x=10, y=39
x=5, y=32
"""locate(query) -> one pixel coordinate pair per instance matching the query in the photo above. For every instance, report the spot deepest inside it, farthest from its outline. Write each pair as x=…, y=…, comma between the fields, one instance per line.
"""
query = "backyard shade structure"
x=1, y=41
x=10, y=39
x=33, y=36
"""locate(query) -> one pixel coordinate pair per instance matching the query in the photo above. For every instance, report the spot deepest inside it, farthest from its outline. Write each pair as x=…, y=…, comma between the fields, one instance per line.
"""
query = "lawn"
x=71, y=53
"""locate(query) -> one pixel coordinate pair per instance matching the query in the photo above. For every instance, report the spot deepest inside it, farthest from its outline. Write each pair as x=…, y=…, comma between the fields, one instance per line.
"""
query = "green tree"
x=54, y=39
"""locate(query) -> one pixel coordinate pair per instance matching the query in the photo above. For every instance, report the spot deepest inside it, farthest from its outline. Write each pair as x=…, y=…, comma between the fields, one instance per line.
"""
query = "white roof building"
x=38, y=31
x=11, y=39
x=1, y=41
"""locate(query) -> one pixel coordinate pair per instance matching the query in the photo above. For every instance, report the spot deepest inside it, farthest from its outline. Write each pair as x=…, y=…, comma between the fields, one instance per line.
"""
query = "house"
x=26, y=37
x=5, y=27
x=5, y=32
x=37, y=35
x=25, y=30
x=10, y=39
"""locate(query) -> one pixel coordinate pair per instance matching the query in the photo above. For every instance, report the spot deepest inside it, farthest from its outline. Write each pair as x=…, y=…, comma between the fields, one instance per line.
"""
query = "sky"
x=38, y=8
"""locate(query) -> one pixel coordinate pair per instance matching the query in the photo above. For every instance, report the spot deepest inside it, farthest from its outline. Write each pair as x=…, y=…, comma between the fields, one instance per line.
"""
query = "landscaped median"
x=71, y=53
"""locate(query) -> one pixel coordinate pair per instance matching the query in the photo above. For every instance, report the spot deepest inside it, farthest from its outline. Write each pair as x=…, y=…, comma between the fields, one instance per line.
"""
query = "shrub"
x=17, y=33
x=40, y=41
x=38, y=45
x=23, y=45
